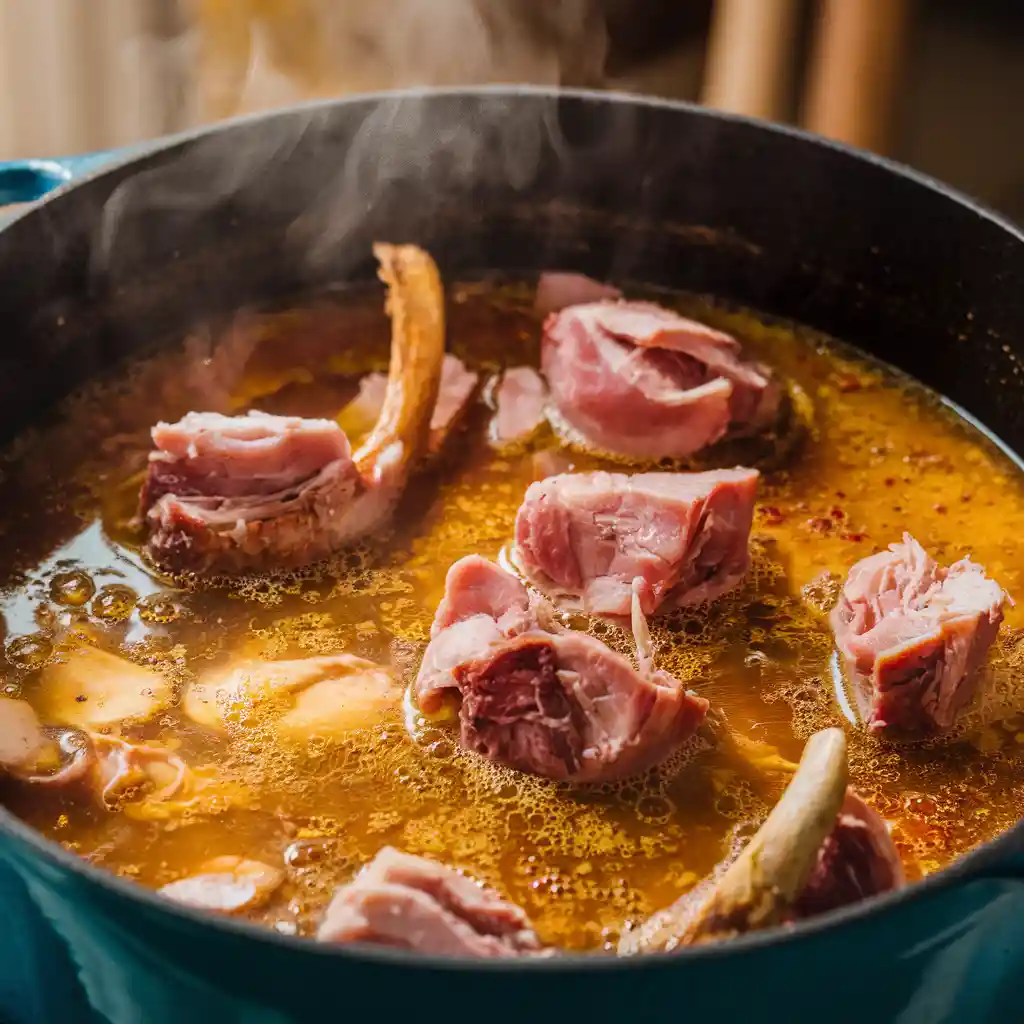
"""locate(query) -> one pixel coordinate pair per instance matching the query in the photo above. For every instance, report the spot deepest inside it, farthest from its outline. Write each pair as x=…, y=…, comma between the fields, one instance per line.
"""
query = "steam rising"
x=401, y=139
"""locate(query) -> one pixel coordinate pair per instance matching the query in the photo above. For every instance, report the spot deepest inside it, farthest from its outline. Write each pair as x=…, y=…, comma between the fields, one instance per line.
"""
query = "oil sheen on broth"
x=883, y=455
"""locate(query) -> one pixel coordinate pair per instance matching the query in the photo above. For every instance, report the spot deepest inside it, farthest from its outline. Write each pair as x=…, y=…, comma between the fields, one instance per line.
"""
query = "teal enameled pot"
x=129, y=249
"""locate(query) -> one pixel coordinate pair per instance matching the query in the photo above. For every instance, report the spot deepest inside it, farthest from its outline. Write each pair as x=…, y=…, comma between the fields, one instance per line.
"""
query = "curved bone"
x=415, y=304
x=760, y=887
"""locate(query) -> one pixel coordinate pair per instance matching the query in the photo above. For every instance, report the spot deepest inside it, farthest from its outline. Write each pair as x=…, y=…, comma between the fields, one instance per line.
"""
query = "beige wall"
x=77, y=75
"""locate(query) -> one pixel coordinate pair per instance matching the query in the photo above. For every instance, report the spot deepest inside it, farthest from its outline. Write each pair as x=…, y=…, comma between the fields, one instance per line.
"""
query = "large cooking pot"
x=520, y=179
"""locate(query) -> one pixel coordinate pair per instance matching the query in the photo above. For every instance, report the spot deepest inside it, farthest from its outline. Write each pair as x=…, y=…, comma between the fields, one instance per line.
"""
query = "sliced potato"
x=226, y=885
x=22, y=740
x=91, y=689
x=334, y=707
x=324, y=696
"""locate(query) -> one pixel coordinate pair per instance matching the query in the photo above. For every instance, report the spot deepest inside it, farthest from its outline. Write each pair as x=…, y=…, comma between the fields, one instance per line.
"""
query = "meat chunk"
x=913, y=634
x=558, y=289
x=417, y=904
x=857, y=860
x=475, y=586
x=567, y=707
x=239, y=456
x=585, y=537
x=822, y=847
x=481, y=608
x=453, y=396
x=519, y=398
x=227, y=520
x=634, y=379
x=543, y=699
x=239, y=494
x=226, y=885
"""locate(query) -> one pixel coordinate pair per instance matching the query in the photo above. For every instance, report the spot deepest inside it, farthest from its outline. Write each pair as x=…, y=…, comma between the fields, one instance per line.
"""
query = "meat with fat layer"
x=567, y=707
x=585, y=537
x=231, y=493
x=235, y=494
x=417, y=904
x=637, y=380
x=542, y=699
x=913, y=635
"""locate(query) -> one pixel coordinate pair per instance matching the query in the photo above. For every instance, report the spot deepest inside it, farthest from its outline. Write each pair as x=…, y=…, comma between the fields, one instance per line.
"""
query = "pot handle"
x=24, y=181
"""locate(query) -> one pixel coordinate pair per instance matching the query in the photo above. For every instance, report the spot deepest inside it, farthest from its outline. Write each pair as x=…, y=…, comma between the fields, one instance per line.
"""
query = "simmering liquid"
x=880, y=456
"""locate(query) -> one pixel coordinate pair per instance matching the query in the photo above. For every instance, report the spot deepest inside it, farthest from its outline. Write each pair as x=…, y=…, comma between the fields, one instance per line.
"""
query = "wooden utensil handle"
x=750, y=56
x=855, y=67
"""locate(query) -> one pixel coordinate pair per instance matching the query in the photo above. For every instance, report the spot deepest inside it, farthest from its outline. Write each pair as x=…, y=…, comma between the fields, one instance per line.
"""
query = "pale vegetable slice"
x=203, y=792
x=334, y=707
x=92, y=689
x=22, y=740
x=324, y=696
x=226, y=885
x=34, y=753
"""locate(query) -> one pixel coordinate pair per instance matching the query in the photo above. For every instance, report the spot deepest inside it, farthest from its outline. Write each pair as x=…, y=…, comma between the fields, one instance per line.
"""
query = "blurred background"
x=933, y=83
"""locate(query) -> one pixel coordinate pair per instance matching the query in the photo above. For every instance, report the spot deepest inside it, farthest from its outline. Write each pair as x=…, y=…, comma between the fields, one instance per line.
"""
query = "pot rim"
x=976, y=864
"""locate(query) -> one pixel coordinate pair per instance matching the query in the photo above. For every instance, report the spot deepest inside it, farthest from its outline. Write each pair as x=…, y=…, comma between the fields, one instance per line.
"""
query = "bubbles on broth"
x=867, y=453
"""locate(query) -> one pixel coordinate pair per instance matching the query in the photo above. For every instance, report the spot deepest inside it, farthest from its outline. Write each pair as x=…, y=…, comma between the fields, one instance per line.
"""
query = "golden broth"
x=883, y=456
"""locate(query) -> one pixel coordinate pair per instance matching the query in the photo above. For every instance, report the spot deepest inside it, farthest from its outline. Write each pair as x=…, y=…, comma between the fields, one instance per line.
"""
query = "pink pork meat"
x=413, y=903
x=637, y=380
x=583, y=538
x=543, y=699
x=913, y=635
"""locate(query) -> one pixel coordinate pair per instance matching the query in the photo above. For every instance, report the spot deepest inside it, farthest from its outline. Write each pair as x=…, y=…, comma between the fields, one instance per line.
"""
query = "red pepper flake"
x=841, y=495
x=965, y=498
x=855, y=537
x=890, y=481
x=848, y=382
x=819, y=524
x=836, y=513
x=941, y=509
x=772, y=515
